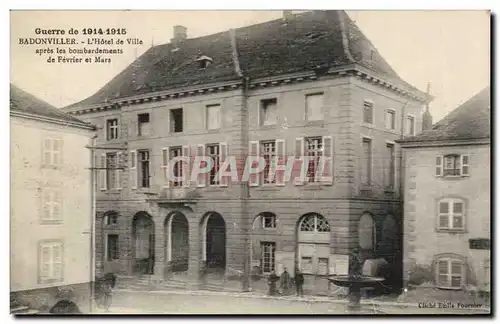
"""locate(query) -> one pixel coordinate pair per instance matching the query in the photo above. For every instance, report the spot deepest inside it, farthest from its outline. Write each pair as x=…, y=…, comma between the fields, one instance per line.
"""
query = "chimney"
x=287, y=15
x=427, y=117
x=180, y=35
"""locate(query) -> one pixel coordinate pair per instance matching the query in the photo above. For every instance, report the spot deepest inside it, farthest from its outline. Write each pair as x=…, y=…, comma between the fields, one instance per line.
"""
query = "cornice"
x=351, y=70
x=466, y=142
x=51, y=120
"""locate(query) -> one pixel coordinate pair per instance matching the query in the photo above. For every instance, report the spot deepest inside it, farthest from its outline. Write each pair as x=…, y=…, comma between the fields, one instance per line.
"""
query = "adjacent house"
x=51, y=217
x=308, y=84
x=447, y=198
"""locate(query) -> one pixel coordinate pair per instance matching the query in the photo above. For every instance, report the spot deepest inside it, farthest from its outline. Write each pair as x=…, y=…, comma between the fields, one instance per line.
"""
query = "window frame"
x=55, y=199
x=274, y=221
x=140, y=163
x=51, y=278
x=207, y=110
x=179, y=165
x=108, y=252
x=139, y=123
x=171, y=126
x=321, y=112
x=449, y=261
x=318, y=152
x=391, y=112
x=213, y=181
x=112, y=129
x=368, y=103
x=407, y=131
x=450, y=215
x=367, y=161
x=271, y=160
x=272, y=256
x=52, y=152
x=263, y=104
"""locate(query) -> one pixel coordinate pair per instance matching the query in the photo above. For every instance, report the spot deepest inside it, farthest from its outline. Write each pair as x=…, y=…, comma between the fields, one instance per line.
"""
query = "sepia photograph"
x=257, y=162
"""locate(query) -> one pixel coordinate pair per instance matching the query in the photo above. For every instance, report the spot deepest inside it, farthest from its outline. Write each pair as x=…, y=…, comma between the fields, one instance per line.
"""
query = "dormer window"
x=204, y=61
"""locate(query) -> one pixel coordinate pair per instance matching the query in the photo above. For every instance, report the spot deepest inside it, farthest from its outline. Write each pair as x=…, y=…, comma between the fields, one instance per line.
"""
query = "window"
x=268, y=256
x=213, y=117
x=314, y=106
x=314, y=223
x=51, y=205
x=268, y=220
x=450, y=273
x=178, y=166
x=144, y=176
x=213, y=151
x=314, y=149
x=176, y=120
x=367, y=232
x=51, y=152
x=112, y=129
x=410, y=125
x=452, y=165
x=112, y=251
x=268, y=109
x=268, y=149
x=390, y=119
x=143, y=122
x=451, y=214
x=111, y=219
x=368, y=112
x=50, y=260
x=366, y=168
x=111, y=166
x=390, y=170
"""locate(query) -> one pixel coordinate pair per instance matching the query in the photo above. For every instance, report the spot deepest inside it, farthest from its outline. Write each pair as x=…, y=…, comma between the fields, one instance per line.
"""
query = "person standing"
x=285, y=282
x=272, y=283
x=299, y=282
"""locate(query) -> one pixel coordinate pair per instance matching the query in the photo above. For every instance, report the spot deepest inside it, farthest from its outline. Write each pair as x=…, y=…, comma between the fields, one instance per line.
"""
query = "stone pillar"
x=159, y=264
x=195, y=257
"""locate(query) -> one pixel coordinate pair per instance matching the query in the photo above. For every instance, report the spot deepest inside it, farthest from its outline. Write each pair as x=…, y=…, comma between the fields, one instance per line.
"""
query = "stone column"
x=195, y=257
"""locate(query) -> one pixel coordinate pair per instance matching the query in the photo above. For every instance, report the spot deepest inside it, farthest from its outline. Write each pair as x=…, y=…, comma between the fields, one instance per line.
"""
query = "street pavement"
x=192, y=303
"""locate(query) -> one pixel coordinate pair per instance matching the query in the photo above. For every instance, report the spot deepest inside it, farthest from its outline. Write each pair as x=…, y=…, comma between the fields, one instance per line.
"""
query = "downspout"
x=93, y=182
x=245, y=187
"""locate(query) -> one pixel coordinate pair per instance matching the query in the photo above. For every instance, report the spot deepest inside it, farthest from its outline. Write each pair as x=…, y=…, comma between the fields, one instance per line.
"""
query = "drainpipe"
x=246, y=193
x=92, y=219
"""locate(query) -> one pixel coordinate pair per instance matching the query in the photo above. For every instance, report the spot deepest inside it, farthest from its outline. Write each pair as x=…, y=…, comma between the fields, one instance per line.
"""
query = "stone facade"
x=341, y=203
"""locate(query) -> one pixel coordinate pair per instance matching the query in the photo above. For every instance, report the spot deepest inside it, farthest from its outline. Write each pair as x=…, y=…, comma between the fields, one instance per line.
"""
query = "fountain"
x=355, y=281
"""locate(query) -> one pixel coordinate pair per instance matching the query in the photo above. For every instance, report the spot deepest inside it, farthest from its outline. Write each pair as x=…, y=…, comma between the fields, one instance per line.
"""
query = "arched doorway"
x=313, y=242
x=177, y=242
x=367, y=234
x=214, y=241
x=143, y=240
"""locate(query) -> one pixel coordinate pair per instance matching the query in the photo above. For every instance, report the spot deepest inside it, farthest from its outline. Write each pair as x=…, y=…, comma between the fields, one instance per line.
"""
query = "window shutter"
x=46, y=152
x=102, y=172
x=328, y=153
x=201, y=179
x=165, y=157
x=186, y=167
x=133, y=169
x=439, y=166
x=223, y=156
x=45, y=255
x=57, y=261
x=299, y=152
x=253, y=150
x=281, y=159
x=118, y=171
x=58, y=143
x=464, y=169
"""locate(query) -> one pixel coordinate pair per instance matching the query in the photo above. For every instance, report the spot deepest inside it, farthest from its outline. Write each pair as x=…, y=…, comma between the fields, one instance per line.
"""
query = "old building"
x=51, y=217
x=308, y=84
x=447, y=198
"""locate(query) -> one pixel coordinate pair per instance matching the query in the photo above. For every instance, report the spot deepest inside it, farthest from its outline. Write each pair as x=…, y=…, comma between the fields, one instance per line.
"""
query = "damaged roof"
x=24, y=102
x=471, y=120
x=306, y=41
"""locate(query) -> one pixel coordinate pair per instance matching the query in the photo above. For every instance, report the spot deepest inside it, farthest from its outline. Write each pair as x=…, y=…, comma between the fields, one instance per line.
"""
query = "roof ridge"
x=236, y=61
x=345, y=39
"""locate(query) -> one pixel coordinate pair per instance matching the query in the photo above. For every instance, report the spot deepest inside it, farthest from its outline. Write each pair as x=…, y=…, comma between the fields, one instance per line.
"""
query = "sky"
x=449, y=49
